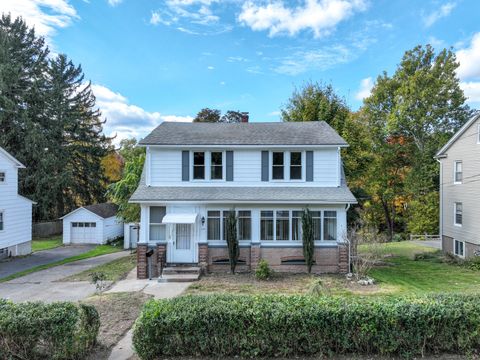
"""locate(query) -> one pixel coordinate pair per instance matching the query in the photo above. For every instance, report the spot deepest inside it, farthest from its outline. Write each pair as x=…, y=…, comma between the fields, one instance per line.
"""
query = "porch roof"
x=253, y=194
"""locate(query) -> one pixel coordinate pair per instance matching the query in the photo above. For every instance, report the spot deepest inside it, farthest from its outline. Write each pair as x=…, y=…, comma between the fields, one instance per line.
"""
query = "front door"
x=182, y=246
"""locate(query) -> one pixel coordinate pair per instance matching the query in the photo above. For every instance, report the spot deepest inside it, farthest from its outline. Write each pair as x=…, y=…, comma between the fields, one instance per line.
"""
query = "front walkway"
x=44, y=285
x=123, y=350
x=15, y=265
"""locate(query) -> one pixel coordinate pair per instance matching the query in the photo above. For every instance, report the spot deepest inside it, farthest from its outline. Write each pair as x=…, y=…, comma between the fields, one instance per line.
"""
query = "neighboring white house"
x=130, y=237
x=92, y=224
x=15, y=210
x=460, y=191
x=195, y=173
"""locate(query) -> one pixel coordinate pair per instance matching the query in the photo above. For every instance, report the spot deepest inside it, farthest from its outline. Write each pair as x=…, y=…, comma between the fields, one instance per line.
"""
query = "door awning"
x=179, y=219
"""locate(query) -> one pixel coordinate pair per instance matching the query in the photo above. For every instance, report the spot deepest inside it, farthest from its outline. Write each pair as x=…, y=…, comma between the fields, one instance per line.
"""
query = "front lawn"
x=114, y=270
x=96, y=251
x=398, y=274
x=46, y=243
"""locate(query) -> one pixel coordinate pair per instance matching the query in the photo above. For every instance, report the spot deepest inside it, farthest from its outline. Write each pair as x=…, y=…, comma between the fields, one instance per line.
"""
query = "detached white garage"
x=92, y=224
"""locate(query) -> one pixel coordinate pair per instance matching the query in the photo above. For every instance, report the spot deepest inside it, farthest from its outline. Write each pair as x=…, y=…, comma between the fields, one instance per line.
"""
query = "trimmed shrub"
x=281, y=326
x=35, y=330
x=263, y=271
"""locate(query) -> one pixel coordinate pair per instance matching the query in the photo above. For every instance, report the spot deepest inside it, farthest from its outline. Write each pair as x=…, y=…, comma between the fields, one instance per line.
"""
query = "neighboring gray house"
x=195, y=173
x=460, y=191
x=92, y=224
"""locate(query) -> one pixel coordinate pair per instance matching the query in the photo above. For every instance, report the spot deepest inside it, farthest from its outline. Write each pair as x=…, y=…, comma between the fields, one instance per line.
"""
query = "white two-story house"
x=195, y=173
x=15, y=210
x=460, y=191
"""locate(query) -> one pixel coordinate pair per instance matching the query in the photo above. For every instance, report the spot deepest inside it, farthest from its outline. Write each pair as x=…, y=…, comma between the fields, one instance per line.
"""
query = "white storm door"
x=183, y=244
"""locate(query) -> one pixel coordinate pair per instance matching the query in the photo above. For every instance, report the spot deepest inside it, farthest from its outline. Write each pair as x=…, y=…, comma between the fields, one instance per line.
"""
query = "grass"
x=46, y=243
x=397, y=274
x=114, y=270
x=96, y=251
x=118, y=312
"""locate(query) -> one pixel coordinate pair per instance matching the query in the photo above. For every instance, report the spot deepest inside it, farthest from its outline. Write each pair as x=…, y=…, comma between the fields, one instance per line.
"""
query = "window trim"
x=287, y=164
x=463, y=248
x=455, y=181
x=208, y=165
x=455, y=204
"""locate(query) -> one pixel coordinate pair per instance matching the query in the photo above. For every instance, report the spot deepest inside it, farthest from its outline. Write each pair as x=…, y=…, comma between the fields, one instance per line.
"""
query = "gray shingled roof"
x=258, y=193
x=284, y=133
x=104, y=210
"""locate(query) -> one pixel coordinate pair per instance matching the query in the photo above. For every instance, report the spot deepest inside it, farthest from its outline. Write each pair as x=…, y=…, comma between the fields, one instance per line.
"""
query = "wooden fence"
x=424, y=237
x=46, y=229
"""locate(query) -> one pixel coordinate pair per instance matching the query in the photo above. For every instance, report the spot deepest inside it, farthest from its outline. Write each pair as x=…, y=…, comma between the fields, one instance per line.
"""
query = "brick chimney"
x=245, y=117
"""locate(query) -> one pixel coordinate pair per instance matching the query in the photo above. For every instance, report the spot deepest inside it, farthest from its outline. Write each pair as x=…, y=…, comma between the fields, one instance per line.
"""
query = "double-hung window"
x=266, y=225
x=458, y=213
x=2, y=220
x=459, y=248
x=278, y=164
x=244, y=225
x=317, y=225
x=282, y=225
x=217, y=225
x=157, y=228
x=329, y=225
x=295, y=166
x=297, y=225
x=213, y=225
x=458, y=177
x=198, y=165
x=216, y=165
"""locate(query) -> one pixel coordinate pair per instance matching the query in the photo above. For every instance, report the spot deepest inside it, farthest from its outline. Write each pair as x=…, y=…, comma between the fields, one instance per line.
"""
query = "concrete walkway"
x=44, y=285
x=43, y=257
x=124, y=350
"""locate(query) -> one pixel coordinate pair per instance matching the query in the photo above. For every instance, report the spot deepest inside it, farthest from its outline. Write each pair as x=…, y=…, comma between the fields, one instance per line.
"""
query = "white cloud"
x=436, y=43
x=469, y=59
x=114, y=2
x=472, y=91
x=45, y=15
x=320, y=59
x=210, y=67
x=366, y=86
x=319, y=16
x=127, y=120
x=436, y=15
x=274, y=113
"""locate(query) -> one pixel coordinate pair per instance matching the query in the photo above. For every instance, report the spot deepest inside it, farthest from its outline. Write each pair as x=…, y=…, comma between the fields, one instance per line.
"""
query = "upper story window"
x=278, y=159
x=458, y=172
x=2, y=176
x=458, y=213
x=216, y=167
x=198, y=165
x=1, y=221
x=287, y=165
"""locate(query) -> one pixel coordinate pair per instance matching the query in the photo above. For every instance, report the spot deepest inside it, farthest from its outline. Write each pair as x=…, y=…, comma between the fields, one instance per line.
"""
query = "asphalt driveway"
x=45, y=286
x=15, y=265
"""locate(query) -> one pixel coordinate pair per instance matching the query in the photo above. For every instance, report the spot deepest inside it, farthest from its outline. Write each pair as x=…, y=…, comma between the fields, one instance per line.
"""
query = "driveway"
x=43, y=257
x=44, y=285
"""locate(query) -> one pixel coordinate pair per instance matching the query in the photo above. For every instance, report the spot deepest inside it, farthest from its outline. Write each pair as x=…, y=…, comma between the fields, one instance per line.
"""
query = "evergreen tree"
x=232, y=240
x=308, y=240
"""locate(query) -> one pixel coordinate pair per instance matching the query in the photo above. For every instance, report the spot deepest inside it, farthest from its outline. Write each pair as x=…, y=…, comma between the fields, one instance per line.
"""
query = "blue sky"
x=151, y=61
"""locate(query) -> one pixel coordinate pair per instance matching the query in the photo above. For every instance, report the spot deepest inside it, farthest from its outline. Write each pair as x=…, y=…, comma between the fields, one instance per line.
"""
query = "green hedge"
x=35, y=330
x=273, y=326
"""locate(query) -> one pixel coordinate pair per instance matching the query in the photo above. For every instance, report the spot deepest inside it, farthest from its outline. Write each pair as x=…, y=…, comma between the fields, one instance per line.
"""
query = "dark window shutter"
x=229, y=158
x=185, y=166
x=265, y=165
x=309, y=172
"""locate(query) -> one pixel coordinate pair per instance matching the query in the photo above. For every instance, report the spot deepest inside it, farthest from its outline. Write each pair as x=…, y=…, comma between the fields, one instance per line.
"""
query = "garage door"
x=83, y=232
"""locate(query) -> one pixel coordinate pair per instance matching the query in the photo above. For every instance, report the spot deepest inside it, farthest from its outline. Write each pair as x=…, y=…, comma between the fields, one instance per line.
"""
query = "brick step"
x=178, y=278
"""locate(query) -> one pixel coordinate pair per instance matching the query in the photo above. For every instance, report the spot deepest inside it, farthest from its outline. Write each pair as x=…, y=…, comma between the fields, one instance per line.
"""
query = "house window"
x=330, y=225
x=213, y=225
x=296, y=225
x=244, y=225
x=278, y=165
x=216, y=168
x=2, y=176
x=198, y=165
x=157, y=228
x=266, y=225
x=317, y=225
x=282, y=225
x=459, y=248
x=458, y=211
x=1, y=220
x=295, y=166
x=458, y=172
